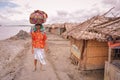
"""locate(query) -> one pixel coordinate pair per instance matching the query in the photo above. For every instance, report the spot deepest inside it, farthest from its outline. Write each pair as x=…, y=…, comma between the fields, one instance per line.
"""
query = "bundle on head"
x=38, y=17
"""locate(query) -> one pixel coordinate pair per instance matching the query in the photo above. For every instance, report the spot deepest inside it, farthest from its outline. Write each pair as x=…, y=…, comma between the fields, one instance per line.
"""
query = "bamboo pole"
x=109, y=55
x=103, y=25
x=108, y=11
x=101, y=29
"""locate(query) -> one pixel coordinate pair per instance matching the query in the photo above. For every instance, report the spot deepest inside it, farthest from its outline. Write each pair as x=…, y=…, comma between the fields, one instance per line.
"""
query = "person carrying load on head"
x=39, y=37
x=38, y=43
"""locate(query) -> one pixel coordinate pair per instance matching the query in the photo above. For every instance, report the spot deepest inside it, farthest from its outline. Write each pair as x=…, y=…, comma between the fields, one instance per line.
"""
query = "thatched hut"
x=112, y=65
x=57, y=29
x=47, y=27
x=68, y=27
x=89, y=50
x=88, y=42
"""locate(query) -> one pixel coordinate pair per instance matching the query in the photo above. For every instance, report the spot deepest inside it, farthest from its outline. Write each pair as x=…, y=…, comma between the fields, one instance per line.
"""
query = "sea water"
x=9, y=31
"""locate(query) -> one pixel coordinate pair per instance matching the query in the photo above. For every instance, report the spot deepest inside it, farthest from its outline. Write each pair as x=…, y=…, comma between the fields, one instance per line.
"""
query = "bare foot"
x=43, y=70
x=34, y=69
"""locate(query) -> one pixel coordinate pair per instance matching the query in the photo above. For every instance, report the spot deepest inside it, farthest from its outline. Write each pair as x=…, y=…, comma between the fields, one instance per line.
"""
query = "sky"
x=17, y=12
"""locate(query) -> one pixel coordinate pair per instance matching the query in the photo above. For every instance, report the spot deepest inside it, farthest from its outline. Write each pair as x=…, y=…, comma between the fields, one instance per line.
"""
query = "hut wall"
x=62, y=30
x=47, y=29
x=55, y=31
x=78, y=43
x=72, y=40
x=82, y=62
x=81, y=58
x=75, y=50
x=112, y=72
x=97, y=54
x=94, y=56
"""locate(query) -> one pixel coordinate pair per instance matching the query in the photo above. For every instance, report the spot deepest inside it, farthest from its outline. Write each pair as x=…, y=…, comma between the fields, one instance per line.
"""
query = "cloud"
x=76, y=16
x=12, y=12
x=76, y=11
x=4, y=4
x=2, y=17
x=68, y=14
x=16, y=22
x=62, y=13
x=113, y=3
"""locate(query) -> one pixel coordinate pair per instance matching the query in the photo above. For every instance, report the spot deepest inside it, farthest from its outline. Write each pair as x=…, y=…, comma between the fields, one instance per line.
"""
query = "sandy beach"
x=16, y=61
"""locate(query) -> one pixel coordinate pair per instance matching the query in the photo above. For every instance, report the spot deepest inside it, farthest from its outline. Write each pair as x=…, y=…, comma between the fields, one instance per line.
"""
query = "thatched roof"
x=111, y=27
x=69, y=26
x=96, y=28
x=88, y=35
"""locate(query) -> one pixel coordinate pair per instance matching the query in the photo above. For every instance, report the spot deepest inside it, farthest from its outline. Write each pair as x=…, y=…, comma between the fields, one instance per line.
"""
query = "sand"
x=16, y=62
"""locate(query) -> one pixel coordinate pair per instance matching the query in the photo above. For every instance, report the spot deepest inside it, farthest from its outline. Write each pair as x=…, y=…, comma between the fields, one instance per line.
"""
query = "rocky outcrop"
x=21, y=35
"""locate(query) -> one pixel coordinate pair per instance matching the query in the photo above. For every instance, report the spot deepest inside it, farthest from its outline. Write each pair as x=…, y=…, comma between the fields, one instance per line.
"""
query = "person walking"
x=38, y=43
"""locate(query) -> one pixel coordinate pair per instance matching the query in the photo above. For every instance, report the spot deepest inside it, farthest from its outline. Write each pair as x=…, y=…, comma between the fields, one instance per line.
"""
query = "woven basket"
x=38, y=17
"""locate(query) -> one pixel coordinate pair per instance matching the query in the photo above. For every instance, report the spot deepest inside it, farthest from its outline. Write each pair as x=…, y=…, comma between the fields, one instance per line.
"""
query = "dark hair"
x=41, y=27
x=37, y=24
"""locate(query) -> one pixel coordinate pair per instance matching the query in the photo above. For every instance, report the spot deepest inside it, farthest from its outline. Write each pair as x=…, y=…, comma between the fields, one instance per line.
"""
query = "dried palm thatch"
x=88, y=35
x=96, y=28
x=111, y=27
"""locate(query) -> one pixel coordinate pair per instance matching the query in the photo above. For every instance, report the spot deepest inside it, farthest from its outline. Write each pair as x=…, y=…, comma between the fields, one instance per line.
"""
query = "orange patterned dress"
x=38, y=39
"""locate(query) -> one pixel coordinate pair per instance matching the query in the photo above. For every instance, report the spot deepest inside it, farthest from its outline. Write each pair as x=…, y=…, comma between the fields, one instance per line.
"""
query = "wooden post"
x=109, y=55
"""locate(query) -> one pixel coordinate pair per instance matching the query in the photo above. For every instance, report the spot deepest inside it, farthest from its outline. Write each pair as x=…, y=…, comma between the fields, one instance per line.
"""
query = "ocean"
x=9, y=30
